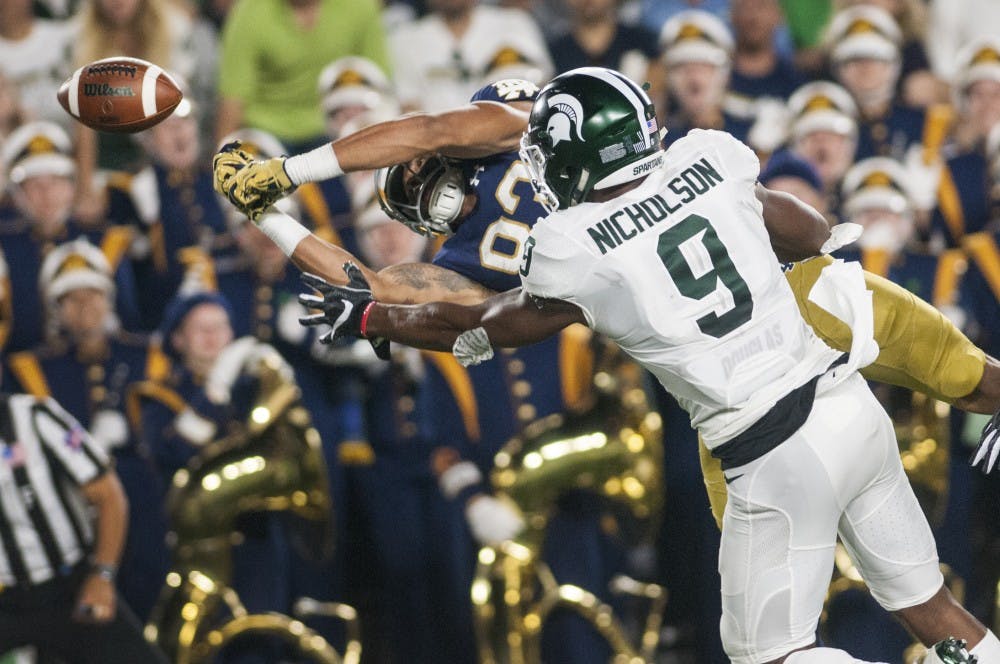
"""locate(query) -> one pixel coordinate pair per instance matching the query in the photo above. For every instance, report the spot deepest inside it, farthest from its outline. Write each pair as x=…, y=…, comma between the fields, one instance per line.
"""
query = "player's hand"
x=989, y=445
x=230, y=159
x=342, y=307
x=256, y=186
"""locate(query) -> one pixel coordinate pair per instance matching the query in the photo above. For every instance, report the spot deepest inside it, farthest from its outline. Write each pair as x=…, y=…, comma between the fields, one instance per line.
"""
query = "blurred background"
x=262, y=467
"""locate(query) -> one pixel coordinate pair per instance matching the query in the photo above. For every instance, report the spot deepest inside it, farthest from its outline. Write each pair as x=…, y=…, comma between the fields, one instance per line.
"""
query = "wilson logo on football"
x=105, y=90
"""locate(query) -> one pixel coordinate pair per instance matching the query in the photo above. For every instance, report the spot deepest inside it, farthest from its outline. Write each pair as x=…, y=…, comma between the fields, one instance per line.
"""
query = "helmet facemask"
x=535, y=158
x=426, y=196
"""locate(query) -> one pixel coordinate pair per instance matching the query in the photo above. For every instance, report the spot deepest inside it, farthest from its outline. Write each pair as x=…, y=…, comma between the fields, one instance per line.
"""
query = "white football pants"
x=840, y=473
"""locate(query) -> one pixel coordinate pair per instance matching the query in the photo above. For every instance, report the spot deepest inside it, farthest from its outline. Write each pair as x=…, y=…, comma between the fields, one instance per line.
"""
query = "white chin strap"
x=632, y=171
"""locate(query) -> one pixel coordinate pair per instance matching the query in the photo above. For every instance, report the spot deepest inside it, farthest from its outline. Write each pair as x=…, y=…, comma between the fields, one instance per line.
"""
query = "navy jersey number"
x=502, y=246
x=701, y=268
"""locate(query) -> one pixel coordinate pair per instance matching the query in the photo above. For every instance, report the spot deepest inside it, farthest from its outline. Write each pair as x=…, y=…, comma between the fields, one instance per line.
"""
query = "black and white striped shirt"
x=45, y=456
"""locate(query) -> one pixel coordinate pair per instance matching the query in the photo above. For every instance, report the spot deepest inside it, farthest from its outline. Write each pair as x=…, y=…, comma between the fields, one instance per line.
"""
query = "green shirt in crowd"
x=806, y=20
x=271, y=64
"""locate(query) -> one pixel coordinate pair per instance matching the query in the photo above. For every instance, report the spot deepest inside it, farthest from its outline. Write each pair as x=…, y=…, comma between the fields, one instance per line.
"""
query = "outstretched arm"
x=797, y=230
x=510, y=319
x=409, y=283
x=479, y=129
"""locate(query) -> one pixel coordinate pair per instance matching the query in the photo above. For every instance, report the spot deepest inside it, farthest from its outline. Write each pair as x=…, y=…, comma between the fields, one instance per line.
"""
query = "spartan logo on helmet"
x=567, y=114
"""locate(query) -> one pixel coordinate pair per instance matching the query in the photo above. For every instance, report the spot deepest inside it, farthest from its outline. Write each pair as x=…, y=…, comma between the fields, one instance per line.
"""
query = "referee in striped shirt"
x=62, y=527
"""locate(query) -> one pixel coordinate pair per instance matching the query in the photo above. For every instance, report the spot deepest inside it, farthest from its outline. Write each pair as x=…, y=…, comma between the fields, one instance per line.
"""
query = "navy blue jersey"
x=486, y=248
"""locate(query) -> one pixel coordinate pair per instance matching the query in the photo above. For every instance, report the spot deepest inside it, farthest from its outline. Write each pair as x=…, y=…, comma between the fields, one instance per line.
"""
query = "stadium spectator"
x=153, y=30
x=806, y=20
x=37, y=158
x=442, y=59
x=952, y=25
x=824, y=131
x=597, y=37
x=982, y=249
x=272, y=54
x=355, y=93
x=400, y=564
x=876, y=195
x=967, y=202
x=864, y=48
x=34, y=56
x=654, y=14
x=88, y=367
x=918, y=86
x=172, y=211
x=697, y=49
x=759, y=70
x=787, y=172
x=205, y=395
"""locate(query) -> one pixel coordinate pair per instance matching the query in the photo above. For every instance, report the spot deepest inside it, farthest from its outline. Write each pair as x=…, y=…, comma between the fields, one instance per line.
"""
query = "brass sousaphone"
x=615, y=450
x=274, y=464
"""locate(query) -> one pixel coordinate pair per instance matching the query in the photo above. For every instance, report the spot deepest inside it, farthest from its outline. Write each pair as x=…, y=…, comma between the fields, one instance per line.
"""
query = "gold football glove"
x=230, y=159
x=256, y=186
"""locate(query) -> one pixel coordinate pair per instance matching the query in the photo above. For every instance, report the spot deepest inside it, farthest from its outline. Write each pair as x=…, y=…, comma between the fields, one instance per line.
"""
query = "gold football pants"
x=919, y=349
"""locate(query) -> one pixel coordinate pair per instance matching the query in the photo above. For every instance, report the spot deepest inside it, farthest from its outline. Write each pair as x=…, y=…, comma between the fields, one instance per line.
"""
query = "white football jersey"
x=680, y=273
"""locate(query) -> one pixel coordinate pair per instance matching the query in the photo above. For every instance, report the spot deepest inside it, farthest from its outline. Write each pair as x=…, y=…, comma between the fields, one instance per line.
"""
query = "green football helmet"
x=590, y=128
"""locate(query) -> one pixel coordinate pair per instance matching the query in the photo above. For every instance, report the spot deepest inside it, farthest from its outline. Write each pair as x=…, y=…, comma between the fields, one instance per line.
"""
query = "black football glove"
x=989, y=445
x=342, y=307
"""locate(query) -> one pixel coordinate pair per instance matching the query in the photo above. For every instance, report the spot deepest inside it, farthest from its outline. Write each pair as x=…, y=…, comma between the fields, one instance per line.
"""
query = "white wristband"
x=283, y=230
x=313, y=166
x=463, y=474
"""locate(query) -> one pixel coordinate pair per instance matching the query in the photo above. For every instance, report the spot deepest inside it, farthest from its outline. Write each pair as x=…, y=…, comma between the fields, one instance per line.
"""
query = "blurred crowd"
x=135, y=296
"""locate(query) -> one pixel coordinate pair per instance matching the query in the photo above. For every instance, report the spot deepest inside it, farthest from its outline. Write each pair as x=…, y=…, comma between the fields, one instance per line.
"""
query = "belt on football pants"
x=775, y=427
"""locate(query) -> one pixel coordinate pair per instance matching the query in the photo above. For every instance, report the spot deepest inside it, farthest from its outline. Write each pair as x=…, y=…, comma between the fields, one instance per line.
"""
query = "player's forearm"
x=326, y=260
x=433, y=326
x=474, y=130
x=510, y=319
x=797, y=230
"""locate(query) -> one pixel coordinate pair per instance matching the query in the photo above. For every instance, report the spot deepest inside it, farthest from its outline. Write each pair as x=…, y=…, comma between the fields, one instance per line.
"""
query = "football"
x=121, y=95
